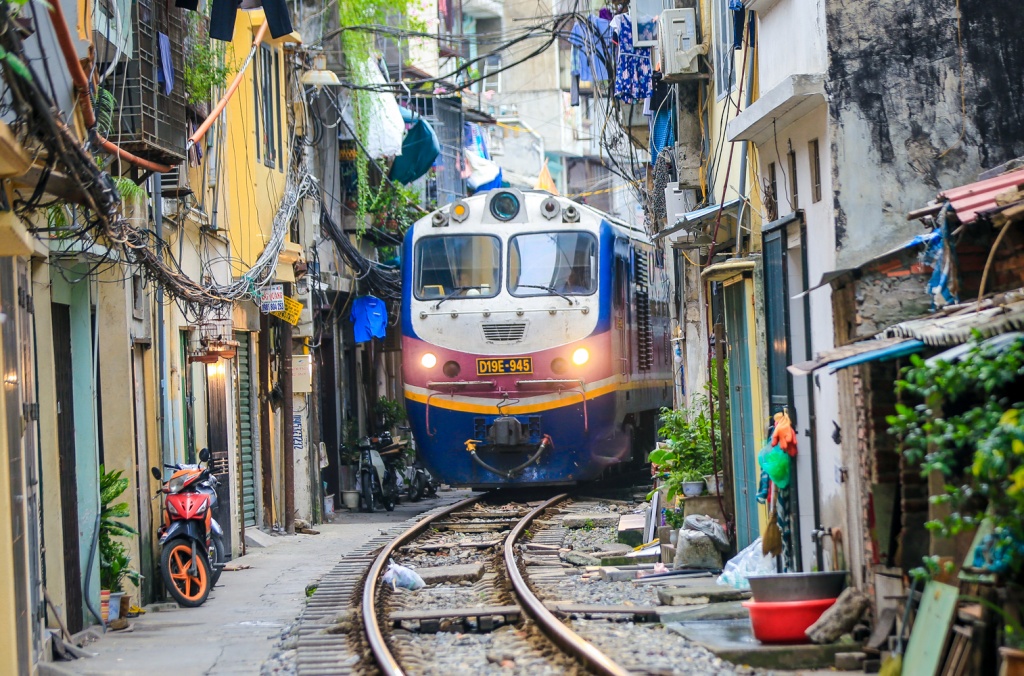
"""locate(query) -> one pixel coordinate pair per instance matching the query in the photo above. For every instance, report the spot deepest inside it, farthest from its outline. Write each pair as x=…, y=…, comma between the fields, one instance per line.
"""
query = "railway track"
x=535, y=639
x=512, y=588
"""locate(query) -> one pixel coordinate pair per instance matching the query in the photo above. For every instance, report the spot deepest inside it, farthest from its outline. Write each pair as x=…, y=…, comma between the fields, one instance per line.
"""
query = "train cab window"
x=457, y=266
x=546, y=263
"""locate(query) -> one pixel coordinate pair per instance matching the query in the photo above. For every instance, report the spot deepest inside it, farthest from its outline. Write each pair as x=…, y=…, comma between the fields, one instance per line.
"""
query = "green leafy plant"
x=205, y=64
x=688, y=455
x=964, y=421
x=115, y=562
x=389, y=412
x=674, y=518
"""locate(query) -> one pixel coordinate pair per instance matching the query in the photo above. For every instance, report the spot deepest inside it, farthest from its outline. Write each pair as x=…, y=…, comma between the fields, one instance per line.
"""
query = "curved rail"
x=563, y=636
x=385, y=660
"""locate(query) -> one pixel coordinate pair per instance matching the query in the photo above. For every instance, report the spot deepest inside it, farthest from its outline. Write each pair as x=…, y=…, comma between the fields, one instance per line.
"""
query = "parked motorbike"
x=421, y=483
x=378, y=473
x=191, y=540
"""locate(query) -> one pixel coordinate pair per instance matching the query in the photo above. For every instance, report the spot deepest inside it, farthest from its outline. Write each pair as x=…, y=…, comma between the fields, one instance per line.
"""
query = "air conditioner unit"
x=679, y=48
x=678, y=202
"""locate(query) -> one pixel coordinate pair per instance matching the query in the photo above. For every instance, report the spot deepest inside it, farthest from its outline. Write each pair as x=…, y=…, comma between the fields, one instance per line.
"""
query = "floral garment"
x=633, y=67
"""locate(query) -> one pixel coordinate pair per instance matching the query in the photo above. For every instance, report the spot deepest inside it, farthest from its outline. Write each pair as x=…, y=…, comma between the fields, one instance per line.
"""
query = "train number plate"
x=490, y=367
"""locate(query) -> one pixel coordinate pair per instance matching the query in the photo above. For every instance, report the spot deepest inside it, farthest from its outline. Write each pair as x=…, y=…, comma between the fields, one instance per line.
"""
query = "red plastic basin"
x=785, y=621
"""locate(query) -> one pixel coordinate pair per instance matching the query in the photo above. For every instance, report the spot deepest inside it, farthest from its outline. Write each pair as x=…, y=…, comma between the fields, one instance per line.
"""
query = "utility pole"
x=287, y=413
x=266, y=439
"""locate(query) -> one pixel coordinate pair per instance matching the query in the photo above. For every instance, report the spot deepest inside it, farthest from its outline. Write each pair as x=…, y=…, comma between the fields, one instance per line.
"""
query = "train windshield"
x=546, y=263
x=455, y=266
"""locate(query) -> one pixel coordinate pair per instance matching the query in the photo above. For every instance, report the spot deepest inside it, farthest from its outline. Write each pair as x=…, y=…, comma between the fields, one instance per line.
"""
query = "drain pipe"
x=812, y=419
x=748, y=98
x=161, y=334
x=88, y=574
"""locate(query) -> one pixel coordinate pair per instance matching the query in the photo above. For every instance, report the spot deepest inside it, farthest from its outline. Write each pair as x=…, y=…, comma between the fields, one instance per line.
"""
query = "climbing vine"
x=358, y=47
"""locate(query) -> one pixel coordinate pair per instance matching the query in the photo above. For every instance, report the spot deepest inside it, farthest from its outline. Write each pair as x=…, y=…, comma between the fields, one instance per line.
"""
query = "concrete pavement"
x=238, y=628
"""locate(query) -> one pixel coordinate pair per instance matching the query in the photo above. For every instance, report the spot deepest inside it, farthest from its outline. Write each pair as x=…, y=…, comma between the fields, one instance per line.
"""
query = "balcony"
x=145, y=120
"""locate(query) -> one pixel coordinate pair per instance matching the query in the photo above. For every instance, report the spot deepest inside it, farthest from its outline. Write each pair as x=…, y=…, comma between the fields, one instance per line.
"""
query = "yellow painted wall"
x=8, y=631
x=252, y=191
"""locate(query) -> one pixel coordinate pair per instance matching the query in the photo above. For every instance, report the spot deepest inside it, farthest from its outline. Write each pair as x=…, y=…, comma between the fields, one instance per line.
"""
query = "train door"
x=622, y=344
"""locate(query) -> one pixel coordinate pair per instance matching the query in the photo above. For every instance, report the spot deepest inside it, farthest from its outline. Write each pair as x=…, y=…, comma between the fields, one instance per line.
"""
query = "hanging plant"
x=205, y=64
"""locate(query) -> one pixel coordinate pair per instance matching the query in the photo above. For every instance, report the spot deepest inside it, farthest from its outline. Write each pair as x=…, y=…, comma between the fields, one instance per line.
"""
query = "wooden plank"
x=421, y=614
x=598, y=609
x=925, y=649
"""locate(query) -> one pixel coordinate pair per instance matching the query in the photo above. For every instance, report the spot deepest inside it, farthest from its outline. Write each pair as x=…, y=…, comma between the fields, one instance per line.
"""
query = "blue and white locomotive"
x=535, y=338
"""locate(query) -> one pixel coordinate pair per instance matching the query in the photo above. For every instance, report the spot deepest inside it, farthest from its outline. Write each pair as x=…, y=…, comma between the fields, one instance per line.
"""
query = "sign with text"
x=272, y=299
x=291, y=312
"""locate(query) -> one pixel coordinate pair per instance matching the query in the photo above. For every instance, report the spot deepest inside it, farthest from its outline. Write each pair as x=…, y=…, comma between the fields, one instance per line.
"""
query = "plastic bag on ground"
x=400, y=576
x=748, y=562
x=705, y=524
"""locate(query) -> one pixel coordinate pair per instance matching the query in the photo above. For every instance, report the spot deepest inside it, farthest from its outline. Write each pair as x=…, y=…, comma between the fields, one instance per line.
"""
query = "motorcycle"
x=418, y=478
x=378, y=475
x=192, y=550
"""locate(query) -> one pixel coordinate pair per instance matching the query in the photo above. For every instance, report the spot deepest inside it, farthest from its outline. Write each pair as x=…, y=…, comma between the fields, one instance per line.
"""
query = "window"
x=457, y=266
x=812, y=149
x=491, y=73
x=267, y=134
x=277, y=99
x=794, y=194
x=547, y=263
x=725, y=59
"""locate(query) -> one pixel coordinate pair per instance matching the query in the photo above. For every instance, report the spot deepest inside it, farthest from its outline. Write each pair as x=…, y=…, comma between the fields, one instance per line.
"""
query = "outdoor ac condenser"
x=679, y=48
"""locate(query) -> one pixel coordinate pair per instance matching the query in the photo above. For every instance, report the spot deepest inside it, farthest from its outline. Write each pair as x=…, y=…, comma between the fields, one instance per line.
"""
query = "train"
x=536, y=343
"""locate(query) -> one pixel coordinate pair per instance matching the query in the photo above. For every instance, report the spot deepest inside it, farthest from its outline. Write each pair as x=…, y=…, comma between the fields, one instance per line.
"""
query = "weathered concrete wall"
x=778, y=57
x=895, y=103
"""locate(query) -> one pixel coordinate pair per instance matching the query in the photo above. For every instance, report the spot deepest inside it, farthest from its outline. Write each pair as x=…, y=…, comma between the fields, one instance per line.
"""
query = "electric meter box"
x=680, y=49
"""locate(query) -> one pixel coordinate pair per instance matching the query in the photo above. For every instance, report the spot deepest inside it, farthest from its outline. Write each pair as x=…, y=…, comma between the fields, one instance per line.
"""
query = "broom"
x=893, y=665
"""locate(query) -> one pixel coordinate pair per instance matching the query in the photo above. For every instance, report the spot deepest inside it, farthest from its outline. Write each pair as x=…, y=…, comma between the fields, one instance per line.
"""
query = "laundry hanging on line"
x=370, y=316
x=223, y=14
x=591, y=41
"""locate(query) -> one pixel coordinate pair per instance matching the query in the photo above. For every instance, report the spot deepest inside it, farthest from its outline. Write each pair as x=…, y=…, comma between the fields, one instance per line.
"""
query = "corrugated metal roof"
x=957, y=324
x=974, y=198
x=865, y=350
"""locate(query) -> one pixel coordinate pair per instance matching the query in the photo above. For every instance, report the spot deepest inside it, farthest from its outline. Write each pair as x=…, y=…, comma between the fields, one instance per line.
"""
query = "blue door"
x=741, y=415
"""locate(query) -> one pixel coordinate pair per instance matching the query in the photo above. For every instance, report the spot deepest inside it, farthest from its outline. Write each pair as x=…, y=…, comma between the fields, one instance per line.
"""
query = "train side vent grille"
x=512, y=332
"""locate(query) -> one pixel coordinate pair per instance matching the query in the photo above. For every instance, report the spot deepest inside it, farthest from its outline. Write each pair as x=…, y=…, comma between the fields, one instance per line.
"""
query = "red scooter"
x=192, y=556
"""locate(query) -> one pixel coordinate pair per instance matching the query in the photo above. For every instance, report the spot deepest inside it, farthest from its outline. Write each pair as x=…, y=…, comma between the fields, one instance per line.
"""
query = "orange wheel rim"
x=190, y=586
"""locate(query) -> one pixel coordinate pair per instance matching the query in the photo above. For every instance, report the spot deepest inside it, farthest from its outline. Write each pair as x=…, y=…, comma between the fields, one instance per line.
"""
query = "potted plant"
x=687, y=454
x=115, y=562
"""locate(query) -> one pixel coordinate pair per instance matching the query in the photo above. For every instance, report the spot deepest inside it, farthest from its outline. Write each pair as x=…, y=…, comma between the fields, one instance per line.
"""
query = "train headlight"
x=428, y=360
x=559, y=366
x=580, y=356
x=451, y=368
x=505, y=206
x=459, y=211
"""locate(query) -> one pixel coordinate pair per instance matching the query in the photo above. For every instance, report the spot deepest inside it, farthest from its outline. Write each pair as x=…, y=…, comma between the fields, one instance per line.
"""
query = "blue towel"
x=166, y=72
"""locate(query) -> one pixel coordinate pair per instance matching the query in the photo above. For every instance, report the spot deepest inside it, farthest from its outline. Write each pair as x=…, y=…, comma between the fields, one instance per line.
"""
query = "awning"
x=694, y=220
x=730, y=268
x=957, y=324
x=995, y=345
x=858, y=353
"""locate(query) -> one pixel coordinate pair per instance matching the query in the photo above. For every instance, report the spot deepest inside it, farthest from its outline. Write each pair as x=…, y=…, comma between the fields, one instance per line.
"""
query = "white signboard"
x=272, y=299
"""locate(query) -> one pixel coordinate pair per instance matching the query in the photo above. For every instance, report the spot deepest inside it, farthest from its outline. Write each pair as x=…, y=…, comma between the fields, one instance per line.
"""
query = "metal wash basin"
x=797, y=586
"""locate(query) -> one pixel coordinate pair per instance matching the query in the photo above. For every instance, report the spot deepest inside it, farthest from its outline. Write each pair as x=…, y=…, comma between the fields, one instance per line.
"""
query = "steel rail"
x=385, y=659
x=563, y=636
